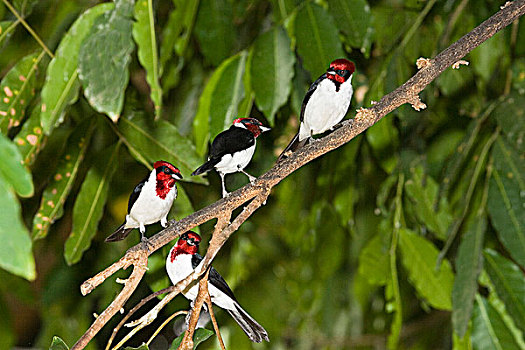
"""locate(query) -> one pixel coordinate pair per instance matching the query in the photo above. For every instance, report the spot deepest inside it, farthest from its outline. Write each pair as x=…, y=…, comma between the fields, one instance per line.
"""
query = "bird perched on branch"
x=233, y=149
x=182, y=261
x=325, y=103
x=150, y=201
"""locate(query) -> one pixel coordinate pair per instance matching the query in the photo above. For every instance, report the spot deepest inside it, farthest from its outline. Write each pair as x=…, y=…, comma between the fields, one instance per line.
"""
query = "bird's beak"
x=177, y=176
x=264, y=128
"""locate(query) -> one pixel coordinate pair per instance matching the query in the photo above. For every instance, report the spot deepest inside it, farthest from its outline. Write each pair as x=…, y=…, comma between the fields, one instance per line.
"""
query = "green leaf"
x=354, y=19
x=272, y=69
x=58, y=344
x=383, y=137
x=61, y=86
x=56, y=192
x=17, y=90
x=144, y=35
x=317, y=38
x=374, y=261
x=468, y=267
x=15, y=251
x=490, y=56
x=178, y=29
x=513, y=128
x=6, y=29
x=154, y=140
x=200, y=335
x=214, y=30
x=13, y=170
x=508, y=281
x=89, y=204
x=30, y=138
x=419, y=258
x=218, y=104
x=423, y=191
x=104, y=57
x=453, y=81
x=507, y=193
x=488, y=328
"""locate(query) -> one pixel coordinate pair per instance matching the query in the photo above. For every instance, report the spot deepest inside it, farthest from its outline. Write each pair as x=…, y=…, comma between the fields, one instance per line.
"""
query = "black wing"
x=135, y=194
x=233, y=140
x=309, y=94
x=214, y=278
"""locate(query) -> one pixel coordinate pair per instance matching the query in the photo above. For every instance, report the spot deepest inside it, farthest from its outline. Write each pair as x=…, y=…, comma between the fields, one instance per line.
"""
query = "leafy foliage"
x=346, y=253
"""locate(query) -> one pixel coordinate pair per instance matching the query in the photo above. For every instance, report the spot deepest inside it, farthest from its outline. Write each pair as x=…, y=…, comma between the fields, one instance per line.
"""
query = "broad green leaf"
x=383, y=137
x=419, y=258
x=200, y=335
x=512, y=127
x=58, y=344
x=17, y=89
x=354, y=19
x=12, y=169
x=6, y=29
x=61, y=86
x=468, y=267
x=508, y=281
x=178, y=29
x=490, y=56
x=214, y=30
x=15, y=251
x=423, y=191
x=272, y=70
x=30, y=138
x=488, y=328
x=317, y=39
x=219, y=101
x=507, y=195
x=144, y=35
x=374, y=261
x=156, y=140
x=104, y=57
x=56, y=192
x=454, y=81
x=89, y=204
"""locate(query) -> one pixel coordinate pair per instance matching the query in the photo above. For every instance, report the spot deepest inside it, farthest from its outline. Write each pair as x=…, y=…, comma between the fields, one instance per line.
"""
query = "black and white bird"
x=182, y=261
x=150, y=201
x=325, y=103
x=233, y=149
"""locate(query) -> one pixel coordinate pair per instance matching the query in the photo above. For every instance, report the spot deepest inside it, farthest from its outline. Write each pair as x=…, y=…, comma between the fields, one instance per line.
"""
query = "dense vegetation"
x=346, y=252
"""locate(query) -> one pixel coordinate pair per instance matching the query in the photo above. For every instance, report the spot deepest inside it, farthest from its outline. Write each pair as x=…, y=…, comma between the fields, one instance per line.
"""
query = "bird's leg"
x=143, y=237
x=164, y=221
x=251, y=178
x=224, y=192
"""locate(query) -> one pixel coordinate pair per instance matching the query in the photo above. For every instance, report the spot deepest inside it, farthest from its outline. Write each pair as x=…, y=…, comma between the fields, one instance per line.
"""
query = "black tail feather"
x=206, y=166
x=119, y=234
x=253, y=330
x=294, y=145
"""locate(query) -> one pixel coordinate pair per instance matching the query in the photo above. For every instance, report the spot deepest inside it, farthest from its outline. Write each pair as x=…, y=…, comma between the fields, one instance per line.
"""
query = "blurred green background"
x=344, y=255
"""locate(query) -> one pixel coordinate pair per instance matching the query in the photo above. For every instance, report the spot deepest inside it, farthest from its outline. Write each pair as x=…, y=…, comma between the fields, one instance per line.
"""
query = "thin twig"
x=261, y=187
x=214, y=321
x=187, y=341
x=181, y=312
x=29, y=29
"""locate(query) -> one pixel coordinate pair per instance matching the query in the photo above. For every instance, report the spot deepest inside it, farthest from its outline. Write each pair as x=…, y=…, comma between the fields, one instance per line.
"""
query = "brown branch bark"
x=260, y=189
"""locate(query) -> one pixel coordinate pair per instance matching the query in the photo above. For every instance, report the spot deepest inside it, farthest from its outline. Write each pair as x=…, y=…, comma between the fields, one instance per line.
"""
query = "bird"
x=182, y=261
x=150, y=201
x=233, y=149
x=325, y=103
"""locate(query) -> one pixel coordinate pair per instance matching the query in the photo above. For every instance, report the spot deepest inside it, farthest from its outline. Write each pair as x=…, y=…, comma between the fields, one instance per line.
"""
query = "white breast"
x=178, y=270
x=231, y=163
x=326, y=108
x=150, y=208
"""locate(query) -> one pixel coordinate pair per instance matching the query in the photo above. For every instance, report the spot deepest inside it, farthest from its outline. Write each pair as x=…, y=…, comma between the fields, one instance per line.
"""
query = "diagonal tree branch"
x=260, y=189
